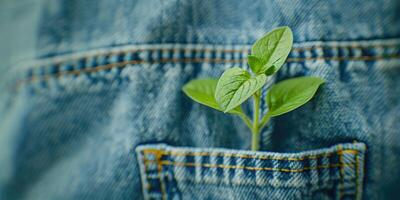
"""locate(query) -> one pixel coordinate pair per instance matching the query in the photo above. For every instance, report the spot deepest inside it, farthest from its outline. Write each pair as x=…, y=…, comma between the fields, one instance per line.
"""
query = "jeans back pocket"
x=213, y=173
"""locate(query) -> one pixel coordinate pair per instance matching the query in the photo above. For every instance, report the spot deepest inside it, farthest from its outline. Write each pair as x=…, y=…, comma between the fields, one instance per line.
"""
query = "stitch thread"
x=157, y=154
x=183, y=164
x=144, y=160
x=244, y=50
x=160, y=171
x=341, y=182
x=344, y=58
x=195, y=60
x=176, y=153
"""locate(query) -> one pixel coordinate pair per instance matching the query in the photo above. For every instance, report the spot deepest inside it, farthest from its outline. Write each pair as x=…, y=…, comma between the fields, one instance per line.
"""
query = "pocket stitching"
x=186, y=164
x=341, y=182
x=156, y=153
x=159, y=153
x=160, y=163
x=351, y=159
x=310, y=157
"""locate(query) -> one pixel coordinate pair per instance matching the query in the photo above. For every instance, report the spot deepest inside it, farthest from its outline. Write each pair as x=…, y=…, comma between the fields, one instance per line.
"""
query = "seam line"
x=341, y=182
x=147, y=186
x=194, y=60
x=176, y=153
x=240, y=50
x=157, y=154
x=160, y=163
x=183, y=164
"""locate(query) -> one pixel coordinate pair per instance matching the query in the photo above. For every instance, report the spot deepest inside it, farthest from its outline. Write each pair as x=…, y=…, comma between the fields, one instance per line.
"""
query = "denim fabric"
x=195, y=173
x=84, y=84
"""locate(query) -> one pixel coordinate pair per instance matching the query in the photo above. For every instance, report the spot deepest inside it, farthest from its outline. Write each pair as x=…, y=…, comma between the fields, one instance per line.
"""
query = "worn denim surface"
x=194, y=173
x=90, y=90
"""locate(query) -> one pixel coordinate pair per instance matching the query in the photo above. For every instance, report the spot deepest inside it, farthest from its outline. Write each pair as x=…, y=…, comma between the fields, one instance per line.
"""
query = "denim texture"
x=195, y=173
x=86, y=88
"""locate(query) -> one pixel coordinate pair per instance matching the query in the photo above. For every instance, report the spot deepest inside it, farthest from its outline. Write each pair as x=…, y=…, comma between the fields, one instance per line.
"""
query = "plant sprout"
x=236, y=85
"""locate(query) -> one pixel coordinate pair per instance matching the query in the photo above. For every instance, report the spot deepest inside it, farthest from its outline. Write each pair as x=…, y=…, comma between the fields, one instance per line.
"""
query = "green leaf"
x=271, y=70
x=291, y=94
x=273, y=48
x=202, y=91
x=235, y=86
x=255, y=63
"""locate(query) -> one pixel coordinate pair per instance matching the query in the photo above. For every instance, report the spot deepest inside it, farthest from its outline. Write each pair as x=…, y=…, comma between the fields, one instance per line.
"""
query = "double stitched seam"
x=246, y=50
x=341, y=182
x=159, y=153
x=147, y=186
x=206, y=60
x=158, y=162
x=340, y=165
x=175, y=153
x=183, y=164
x=195, y=60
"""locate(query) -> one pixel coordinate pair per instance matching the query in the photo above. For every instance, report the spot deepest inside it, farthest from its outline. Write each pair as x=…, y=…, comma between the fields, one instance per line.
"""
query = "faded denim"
x=197, y=173
x=91, y=105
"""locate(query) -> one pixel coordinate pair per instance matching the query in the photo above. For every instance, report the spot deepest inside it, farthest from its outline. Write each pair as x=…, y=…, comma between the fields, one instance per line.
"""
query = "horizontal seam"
x=184, y=164
x=194, y=60
x=341, y=58
x=243, y=50
x=172, y=153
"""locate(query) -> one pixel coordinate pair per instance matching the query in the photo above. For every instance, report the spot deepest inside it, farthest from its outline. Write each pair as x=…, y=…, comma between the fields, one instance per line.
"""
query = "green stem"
x=255, y=141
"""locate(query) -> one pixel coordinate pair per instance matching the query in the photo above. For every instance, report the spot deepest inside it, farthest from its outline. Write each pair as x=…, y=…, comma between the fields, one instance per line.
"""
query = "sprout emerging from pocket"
x=236, y=85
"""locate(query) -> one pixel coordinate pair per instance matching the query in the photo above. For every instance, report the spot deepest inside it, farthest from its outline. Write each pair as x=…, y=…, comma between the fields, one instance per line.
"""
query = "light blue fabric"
x=86, y=86
x=198, y=173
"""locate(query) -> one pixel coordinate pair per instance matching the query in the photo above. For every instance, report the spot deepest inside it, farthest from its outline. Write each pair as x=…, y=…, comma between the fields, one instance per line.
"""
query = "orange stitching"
x=360, y=58
x=182, y=164
x=244, y=50
x=124, y=63
x=160, y=171
x=341, y=182
x=345, y=47
x=176, y=153
x=194, y=60
x=156, y=153
x=147, y=186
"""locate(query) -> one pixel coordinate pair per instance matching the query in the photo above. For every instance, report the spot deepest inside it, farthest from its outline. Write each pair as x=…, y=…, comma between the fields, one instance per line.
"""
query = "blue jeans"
x=91, y=105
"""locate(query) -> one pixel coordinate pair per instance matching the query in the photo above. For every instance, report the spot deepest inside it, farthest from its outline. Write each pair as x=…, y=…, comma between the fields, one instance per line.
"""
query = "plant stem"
x=255, y=141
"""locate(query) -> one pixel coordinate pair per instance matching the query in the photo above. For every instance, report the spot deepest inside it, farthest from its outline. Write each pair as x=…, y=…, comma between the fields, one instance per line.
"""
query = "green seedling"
x=236, y=85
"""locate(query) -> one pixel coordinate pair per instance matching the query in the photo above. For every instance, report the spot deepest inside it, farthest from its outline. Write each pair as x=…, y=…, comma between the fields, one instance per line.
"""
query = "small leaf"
x=271, y=70
x=291, y=94
x=273, y=48
x=235, y=86
x=255, y=63
x=202, y=91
